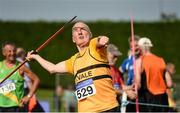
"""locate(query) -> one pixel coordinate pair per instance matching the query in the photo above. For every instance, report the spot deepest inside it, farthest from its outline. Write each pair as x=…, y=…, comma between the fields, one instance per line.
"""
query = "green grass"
x=46, y=95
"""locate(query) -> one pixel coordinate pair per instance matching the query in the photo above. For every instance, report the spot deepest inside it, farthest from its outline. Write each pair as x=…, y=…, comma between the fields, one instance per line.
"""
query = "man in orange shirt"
x=151, y=78
x=94, y=89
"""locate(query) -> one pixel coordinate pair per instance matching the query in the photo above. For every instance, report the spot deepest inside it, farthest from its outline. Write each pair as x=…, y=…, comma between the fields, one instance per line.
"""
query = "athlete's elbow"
x=51, y=70
x=57, y=69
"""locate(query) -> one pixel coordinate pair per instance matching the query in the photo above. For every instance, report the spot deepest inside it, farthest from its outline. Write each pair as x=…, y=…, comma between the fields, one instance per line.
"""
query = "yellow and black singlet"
x=94, y=89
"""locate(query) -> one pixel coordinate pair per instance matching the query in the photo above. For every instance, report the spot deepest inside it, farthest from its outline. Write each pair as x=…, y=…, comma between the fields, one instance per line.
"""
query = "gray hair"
x=86, y=26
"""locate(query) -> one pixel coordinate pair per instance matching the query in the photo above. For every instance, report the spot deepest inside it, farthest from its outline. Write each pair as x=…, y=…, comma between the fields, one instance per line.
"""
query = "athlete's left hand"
x=24, y=101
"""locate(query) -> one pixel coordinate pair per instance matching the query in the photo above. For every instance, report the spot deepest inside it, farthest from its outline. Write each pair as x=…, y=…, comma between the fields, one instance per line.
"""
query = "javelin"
x=40, y=47
x=134, y=61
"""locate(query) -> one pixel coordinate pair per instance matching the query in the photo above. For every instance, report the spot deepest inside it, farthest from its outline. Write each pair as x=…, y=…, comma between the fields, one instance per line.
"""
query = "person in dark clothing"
x=151, y=78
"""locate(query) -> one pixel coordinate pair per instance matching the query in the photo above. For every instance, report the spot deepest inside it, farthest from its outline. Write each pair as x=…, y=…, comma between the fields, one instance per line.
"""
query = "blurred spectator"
x=113, y=54
x=172, y=104
x=128, y=67
x=69, y=99
x=20, y=56
x=58, y=98
x=150, y=76
x=33, y=105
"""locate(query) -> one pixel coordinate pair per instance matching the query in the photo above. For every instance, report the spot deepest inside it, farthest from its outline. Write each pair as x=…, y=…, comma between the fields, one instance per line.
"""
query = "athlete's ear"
x=73, y=39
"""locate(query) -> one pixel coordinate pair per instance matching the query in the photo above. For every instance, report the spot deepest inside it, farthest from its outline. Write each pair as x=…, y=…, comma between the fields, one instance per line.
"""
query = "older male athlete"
x=12, y=90
x=94, y=89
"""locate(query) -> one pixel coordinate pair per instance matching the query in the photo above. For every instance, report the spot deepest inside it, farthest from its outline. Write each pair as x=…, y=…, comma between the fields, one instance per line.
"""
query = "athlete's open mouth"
x=81, y=37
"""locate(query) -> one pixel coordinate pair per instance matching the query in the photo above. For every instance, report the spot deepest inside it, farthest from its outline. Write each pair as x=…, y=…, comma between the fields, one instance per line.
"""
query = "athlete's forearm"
x=45, y=64
x=34, y=86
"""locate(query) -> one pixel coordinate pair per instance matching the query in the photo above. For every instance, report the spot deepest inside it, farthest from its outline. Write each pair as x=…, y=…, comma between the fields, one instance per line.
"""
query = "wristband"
x=29, y=96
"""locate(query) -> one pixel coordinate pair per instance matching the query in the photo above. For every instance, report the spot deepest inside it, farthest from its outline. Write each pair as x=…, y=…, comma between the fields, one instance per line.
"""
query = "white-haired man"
x=151, y=78
x=11, y=90
x=94, y=89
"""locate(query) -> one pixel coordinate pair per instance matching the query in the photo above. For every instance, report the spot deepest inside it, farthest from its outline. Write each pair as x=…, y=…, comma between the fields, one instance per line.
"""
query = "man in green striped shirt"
x=12, y=90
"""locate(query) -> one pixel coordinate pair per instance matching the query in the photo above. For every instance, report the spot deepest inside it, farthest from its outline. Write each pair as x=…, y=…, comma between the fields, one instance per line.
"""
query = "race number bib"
x=7, y=87
x=85, y=89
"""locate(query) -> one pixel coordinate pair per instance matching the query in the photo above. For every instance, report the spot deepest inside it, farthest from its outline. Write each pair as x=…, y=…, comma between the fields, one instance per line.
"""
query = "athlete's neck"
x=9, y=63
x=147, y=53
x=81, y=48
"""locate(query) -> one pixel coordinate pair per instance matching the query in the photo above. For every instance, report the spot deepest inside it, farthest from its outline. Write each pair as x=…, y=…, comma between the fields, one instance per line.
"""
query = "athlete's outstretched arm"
x=52, y=68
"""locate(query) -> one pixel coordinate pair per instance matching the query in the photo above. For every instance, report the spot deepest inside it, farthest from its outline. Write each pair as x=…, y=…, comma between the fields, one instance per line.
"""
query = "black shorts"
x=131, y=107
x=9, y=109
x=116, y=109
x=149, y=98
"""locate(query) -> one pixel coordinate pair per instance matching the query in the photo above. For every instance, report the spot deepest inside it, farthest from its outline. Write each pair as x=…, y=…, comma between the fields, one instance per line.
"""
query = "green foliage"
x=164, y=36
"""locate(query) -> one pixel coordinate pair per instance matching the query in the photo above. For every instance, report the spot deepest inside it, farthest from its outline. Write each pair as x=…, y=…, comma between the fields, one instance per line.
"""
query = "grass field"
x=47, y=95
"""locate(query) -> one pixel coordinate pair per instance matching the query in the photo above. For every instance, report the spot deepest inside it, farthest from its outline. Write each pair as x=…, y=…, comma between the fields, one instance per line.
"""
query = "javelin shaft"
x=39, y=48
x=13, y=71
x=134, y=61
x=53, y=36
